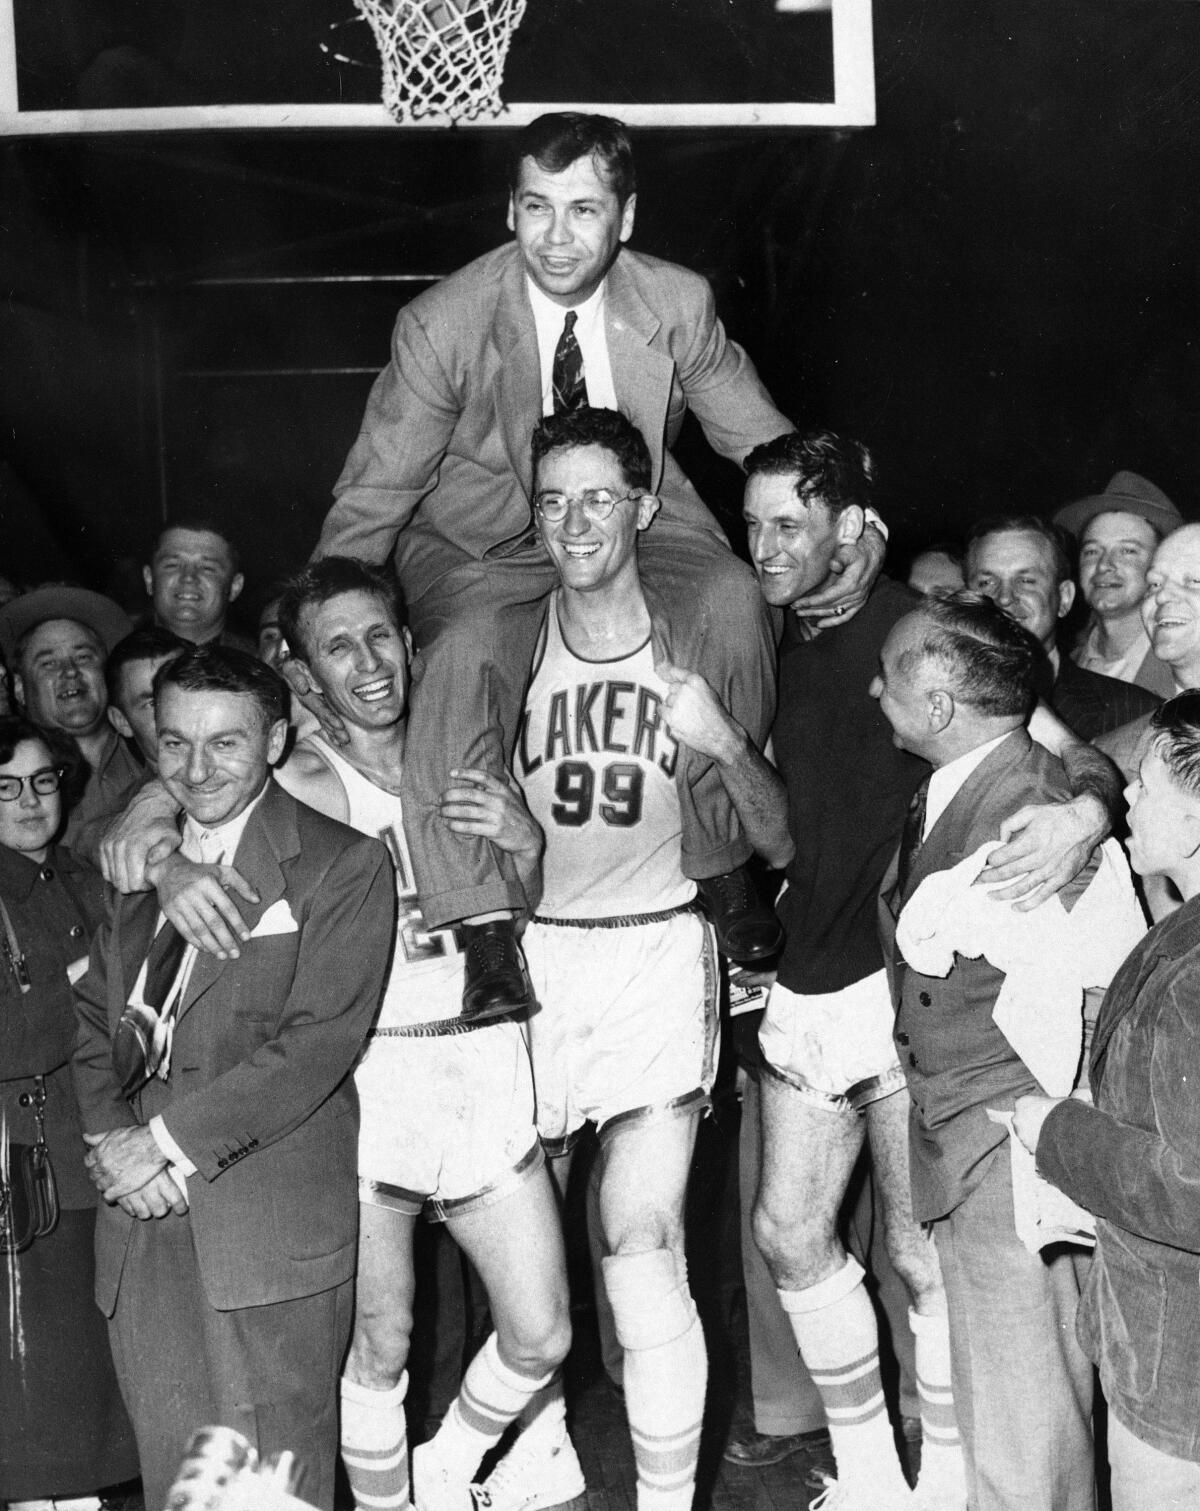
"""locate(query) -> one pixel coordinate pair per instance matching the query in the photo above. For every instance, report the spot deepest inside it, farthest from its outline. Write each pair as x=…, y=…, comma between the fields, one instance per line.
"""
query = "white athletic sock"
x=837, y=1335
x=666, y=1372
x=490, y=1397
x=943, y=1473
x=544, y=1416
x=375, y=1445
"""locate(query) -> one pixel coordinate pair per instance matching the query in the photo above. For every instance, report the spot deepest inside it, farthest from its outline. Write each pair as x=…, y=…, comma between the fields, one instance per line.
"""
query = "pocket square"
x=277, y=919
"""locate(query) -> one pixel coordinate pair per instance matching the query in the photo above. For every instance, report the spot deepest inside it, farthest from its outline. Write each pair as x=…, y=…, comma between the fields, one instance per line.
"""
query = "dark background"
x=995, y=287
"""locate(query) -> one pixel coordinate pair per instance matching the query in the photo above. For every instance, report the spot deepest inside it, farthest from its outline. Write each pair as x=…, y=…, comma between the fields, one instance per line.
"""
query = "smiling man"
x=623, y=964
x=57, y=640
x=217, y=1097
x=1021, y=562
x=833, y=1080
x=192, y=579
x=1118, y=531
x=448, y=1109
x=957, y=680
x=565, y=314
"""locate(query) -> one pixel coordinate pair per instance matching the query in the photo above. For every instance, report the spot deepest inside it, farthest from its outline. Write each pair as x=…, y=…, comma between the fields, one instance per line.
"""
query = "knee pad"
x=649, y=1296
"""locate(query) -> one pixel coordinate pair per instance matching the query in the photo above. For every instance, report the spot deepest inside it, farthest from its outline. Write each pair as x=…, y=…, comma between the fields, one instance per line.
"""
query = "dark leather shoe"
x=747, y=930
x=496, y=982
x=758, y=1450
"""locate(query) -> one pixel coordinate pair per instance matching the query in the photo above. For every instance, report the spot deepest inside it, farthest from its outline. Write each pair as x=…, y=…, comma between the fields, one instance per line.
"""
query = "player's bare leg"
x=643, y=1186
x=541, y=1468
x=516, y=1246
x=374, y=1436
x=942, y=1484
x=809, y=1152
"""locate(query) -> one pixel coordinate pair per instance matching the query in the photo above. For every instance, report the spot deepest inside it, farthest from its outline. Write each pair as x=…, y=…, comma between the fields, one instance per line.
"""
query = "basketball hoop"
x=442, y=57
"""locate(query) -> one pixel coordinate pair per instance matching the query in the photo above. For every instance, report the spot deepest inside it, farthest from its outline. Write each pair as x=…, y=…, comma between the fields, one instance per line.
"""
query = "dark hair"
x=1026, y=524
x=198, y=523
x=330, y=578
x=829, y=469
x=221, y=669
x=993, y=661
x=1176, y=738
x=66, y=755
x=560, y=138
x=147, y=644
x=595, y=427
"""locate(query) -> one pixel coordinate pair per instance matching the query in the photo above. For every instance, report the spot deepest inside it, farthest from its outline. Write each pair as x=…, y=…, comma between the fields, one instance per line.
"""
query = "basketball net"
x=442, y=57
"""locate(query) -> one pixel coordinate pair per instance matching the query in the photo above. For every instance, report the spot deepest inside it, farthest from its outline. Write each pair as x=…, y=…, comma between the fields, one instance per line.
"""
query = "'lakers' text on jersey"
x=597, y=765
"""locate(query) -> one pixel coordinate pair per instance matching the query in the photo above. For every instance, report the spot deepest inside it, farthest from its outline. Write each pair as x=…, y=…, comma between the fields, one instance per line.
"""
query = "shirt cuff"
x=169, y=1147
x=871, y=518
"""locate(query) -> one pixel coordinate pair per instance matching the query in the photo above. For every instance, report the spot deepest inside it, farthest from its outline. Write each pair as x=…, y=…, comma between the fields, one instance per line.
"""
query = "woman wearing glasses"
x=64, y=1432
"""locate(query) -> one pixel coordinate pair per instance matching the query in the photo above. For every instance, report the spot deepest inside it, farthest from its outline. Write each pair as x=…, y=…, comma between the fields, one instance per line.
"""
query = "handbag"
x=28, y=1191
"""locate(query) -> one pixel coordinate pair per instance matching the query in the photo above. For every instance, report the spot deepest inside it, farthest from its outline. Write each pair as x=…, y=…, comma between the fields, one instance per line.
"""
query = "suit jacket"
x=441, y=470
x=957, y=1061
x=1125, y=745
x=1134, y=1160
x=260, y=1095
x=1092, y=704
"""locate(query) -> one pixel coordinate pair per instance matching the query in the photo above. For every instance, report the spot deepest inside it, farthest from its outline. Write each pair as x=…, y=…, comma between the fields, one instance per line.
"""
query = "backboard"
x=72, y=66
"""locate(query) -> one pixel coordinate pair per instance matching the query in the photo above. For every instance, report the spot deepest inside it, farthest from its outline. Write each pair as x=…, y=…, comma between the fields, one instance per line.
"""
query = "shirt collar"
x=947, y=780
x=548, y=316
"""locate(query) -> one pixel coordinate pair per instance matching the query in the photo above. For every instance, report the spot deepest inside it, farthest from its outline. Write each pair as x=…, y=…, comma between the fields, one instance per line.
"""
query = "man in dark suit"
x=956, y=681
x=1023, y=563
x=217, y=1099
x=562, y=316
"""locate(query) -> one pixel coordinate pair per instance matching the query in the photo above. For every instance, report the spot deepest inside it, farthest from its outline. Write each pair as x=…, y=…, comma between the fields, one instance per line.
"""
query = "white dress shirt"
x=593, y=346
x=210, y=846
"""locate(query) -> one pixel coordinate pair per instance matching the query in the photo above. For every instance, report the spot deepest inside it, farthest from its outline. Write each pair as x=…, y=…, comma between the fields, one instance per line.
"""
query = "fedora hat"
x=59, y=600
x=1126, y=493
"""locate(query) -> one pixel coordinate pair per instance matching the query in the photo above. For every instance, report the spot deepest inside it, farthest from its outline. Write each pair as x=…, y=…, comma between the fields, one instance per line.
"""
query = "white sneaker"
x=530, y=1476
x=941, y=1484
x=840, y=1495
x=435, y=1486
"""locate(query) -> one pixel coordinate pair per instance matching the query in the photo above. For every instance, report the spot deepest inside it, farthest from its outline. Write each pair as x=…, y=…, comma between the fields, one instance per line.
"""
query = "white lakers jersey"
x=425, y=983
x=597, y=766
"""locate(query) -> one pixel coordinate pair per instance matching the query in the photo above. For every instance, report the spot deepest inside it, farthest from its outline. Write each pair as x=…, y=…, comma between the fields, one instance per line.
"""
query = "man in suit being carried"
x=562, y=316
x=217, y=1097
x=989, y=1007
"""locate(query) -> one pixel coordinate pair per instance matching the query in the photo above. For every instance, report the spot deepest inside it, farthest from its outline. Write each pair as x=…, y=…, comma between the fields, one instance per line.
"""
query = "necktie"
x=142, y=1042
x=911, y=837
x=570, y=391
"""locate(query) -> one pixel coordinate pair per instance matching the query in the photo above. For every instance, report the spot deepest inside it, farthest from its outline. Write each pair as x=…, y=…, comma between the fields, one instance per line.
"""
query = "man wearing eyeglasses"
x=563, y=315
x=623, y=965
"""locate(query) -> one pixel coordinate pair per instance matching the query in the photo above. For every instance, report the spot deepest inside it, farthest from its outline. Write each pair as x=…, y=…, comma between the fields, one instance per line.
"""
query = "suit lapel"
x=982, y=802
x=136, y=925
x=642, y=377
x=514, y=369
x=269, y=839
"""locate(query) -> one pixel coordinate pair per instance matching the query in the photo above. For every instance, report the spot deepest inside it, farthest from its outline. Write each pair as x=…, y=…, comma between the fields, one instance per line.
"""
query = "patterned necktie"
x=143, y=1038
x=570, y=391
x=912, y=837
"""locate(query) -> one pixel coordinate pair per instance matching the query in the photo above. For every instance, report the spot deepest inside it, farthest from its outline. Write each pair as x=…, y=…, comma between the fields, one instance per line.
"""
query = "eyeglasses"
x=43, y=782
x=598, y=503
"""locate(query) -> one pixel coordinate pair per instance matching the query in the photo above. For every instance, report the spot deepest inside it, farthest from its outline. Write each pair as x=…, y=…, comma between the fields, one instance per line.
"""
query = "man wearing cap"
x=57, y=641
x=1118, y=531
